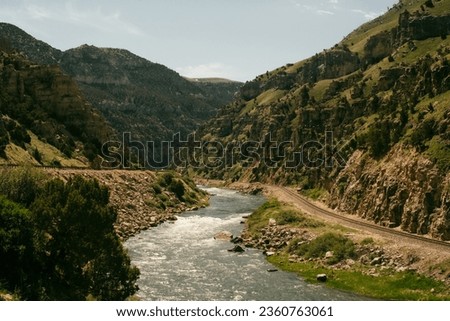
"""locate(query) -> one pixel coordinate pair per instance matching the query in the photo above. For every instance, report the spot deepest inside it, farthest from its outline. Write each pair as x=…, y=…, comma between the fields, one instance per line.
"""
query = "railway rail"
x=313, y=209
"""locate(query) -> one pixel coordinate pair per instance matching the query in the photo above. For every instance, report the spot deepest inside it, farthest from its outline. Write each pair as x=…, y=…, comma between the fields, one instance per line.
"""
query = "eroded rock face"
x=404, y=189
x=49, y=103
x=410, y=27
x=440, y=227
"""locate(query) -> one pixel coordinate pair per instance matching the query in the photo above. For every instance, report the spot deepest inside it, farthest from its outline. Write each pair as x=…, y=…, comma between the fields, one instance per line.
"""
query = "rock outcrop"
x=403, y=190
x=417, y=26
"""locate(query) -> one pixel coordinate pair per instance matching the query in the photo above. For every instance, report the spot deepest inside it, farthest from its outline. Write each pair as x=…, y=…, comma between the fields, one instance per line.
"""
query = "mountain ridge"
x=137, y=96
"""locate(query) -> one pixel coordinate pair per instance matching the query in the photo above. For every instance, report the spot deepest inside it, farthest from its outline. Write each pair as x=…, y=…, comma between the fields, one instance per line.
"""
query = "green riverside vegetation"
x=387, y=284
x=57, y=240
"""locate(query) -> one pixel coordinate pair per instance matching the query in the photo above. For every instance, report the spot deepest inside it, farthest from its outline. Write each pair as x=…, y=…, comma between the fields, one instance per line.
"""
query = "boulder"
x=329, y=254
x=237, y=249
x=236, y=240
x=376, y=261
x=223, y=236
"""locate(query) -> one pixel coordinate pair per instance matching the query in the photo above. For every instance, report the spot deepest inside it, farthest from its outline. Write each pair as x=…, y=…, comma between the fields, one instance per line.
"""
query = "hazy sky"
x=236, y=39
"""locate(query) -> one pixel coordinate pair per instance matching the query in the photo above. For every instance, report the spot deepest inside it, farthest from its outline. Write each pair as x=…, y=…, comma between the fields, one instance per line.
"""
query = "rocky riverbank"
x=274, y=240
x=350, y=259
x=143, y=199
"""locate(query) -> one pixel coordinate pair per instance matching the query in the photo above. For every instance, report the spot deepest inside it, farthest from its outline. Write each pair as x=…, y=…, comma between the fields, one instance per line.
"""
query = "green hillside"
x=367, y=121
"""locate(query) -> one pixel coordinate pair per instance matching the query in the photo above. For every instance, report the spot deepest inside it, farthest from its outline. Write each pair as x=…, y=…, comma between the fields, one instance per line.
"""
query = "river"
x=182, y=261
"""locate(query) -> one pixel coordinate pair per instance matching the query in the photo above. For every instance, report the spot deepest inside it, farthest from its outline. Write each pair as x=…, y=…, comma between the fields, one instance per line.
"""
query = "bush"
x=16, y=246
x=37, y=155
x=166, y=179
x=367, y=241
x=379, y=139
x=341, y=246
x=156, y=188
x=177, y=187
x=423, y=133
x=291, y=217
x=21, y=184
x=19, y=136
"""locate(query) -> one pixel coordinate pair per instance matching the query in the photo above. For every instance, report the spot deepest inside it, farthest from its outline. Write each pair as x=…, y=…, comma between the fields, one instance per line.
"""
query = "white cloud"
x=369, y=15
x=210, y=70
x=320, y=9
x=99, y=18
x=325, y=12
x=333, y=1
x=36, y=12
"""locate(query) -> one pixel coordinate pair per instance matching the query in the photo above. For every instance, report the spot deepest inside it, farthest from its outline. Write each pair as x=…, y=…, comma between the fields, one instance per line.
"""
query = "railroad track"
x=316, y=210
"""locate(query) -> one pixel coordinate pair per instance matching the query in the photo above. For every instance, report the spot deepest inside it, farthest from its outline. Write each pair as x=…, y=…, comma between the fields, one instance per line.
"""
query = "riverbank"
x=186, y=261
x=143, y=199
x=351, y=260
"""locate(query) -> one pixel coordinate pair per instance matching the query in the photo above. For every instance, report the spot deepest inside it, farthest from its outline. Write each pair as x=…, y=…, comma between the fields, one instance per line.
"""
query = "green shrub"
x=341, y=246
x=295, y=218
x=281, y=213
x=177, y=187
x=367, y=241
x=379, y=139
x=156, y=188
x=423, y=133
x=166, y=179
x=37, y=155
x=16, y=247
x=163, y=197
x=63, y=247
x=21, y=184
x=314, y=193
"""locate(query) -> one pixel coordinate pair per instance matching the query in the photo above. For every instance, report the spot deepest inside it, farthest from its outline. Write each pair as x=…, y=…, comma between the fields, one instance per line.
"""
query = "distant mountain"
x=138, y=96
x=135, y=95
x=34, y=49
x=218, y=91
x=365, y=123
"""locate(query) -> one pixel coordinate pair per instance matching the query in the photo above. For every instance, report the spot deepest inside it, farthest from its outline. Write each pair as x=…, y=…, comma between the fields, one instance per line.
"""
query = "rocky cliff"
x=43, y=117
x=404, y=190
x=366, y=122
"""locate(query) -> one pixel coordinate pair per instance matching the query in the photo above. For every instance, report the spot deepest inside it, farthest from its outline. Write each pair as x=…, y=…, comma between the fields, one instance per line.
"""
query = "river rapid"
x=181, y=261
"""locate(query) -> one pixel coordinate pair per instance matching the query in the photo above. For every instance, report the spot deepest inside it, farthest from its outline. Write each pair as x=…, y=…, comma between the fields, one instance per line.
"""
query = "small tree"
x=378, y=139
x=84, y=254
x=177, y=187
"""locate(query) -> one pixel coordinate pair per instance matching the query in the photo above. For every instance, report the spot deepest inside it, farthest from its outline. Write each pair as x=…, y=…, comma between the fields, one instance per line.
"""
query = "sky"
x=234, y=39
